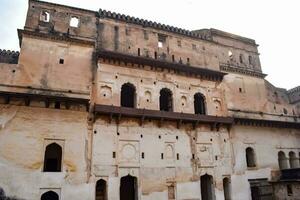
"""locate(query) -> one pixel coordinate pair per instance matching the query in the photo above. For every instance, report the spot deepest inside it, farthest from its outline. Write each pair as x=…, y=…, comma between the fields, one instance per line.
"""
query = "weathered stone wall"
x=24, y=134
x=110, y=79
x=57, y=60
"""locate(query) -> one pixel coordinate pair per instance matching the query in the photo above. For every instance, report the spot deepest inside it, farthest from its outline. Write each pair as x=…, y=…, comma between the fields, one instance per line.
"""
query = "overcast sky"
x=274, y=24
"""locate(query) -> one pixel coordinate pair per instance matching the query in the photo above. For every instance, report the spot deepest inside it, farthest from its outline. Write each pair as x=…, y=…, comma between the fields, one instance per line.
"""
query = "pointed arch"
x=199, y=104
x=166, y=100
x=128, y=95
x=294, y=162
x=250, y=157
x=128, y=188
x=227, y=188
x=53, y=158
x=50, y=195
x=282, y=160
x=101, y=190
x=207, y=187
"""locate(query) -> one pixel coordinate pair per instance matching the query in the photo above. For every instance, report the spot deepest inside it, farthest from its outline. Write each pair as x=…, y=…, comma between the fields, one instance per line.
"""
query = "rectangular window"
x=179, y=43
x=161, y=40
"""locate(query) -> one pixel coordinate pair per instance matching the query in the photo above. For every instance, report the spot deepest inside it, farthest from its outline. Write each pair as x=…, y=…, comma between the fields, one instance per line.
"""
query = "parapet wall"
x=10, y=57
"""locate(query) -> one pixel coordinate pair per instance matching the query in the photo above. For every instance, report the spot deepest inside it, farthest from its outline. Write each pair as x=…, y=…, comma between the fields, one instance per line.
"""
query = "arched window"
x=282, y=160
x=52, y=160
x=128, y=95
x=199, y=104
x=207, y=187
x=128, y=188
x=50, y=196
x=74, y=22
x=101, y=193
x=250, y=157
x=294, y=162
x=165, y=100
x=227, y=188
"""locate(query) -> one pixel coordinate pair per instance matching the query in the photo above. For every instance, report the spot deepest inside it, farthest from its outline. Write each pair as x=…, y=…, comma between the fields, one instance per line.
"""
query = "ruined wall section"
x=56, y=19
x=59, y=65
x=24, y=134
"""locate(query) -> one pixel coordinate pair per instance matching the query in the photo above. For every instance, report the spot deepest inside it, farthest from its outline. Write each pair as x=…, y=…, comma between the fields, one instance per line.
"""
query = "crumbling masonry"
x=103, y=106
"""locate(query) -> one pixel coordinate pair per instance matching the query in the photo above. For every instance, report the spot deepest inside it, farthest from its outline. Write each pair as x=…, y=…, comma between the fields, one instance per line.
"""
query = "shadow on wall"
x=4, y=197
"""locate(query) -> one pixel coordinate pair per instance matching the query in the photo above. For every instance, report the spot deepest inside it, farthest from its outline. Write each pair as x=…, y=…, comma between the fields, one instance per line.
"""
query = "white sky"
x=274, y=24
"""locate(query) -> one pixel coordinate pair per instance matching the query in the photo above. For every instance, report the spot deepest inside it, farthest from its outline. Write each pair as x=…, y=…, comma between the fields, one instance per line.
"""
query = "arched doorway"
x=207, y=187
x=199, y=104
x=294, y=162
x=50, y=196
x=53, y=158
x=128, y=188
x=128, y=95
x=227, y=188
x=101, y=193
x=282, y=160
x=250, y=157
x=165, y=100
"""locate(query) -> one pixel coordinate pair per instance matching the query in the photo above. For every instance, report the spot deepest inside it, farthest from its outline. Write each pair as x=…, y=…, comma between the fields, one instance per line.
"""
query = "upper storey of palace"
x=205, y=48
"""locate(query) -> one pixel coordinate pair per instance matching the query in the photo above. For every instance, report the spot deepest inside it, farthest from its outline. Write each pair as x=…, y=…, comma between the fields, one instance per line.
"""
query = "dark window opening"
x=282, y=160
x=289, y=190
x=250, y=157
x=250, y=60
x=240, y=90
x=128, y=95
x=50, y=196
x=227, y=188
x=173, y=58
x=207, y=187
x=155, y=55
x=53, y=158
x=188, y=60
x=162, y=156
x=61, y=61
x=241, y=58
x=114, y=154
x=199, y=104
x=180, y=61
x=143, y=155
x=294, y=162
x=128, y=188
x=57, y=105
x=177, y=156
x=285, y=111
x=165, y=100
x=139, y=51
x=101, y=193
